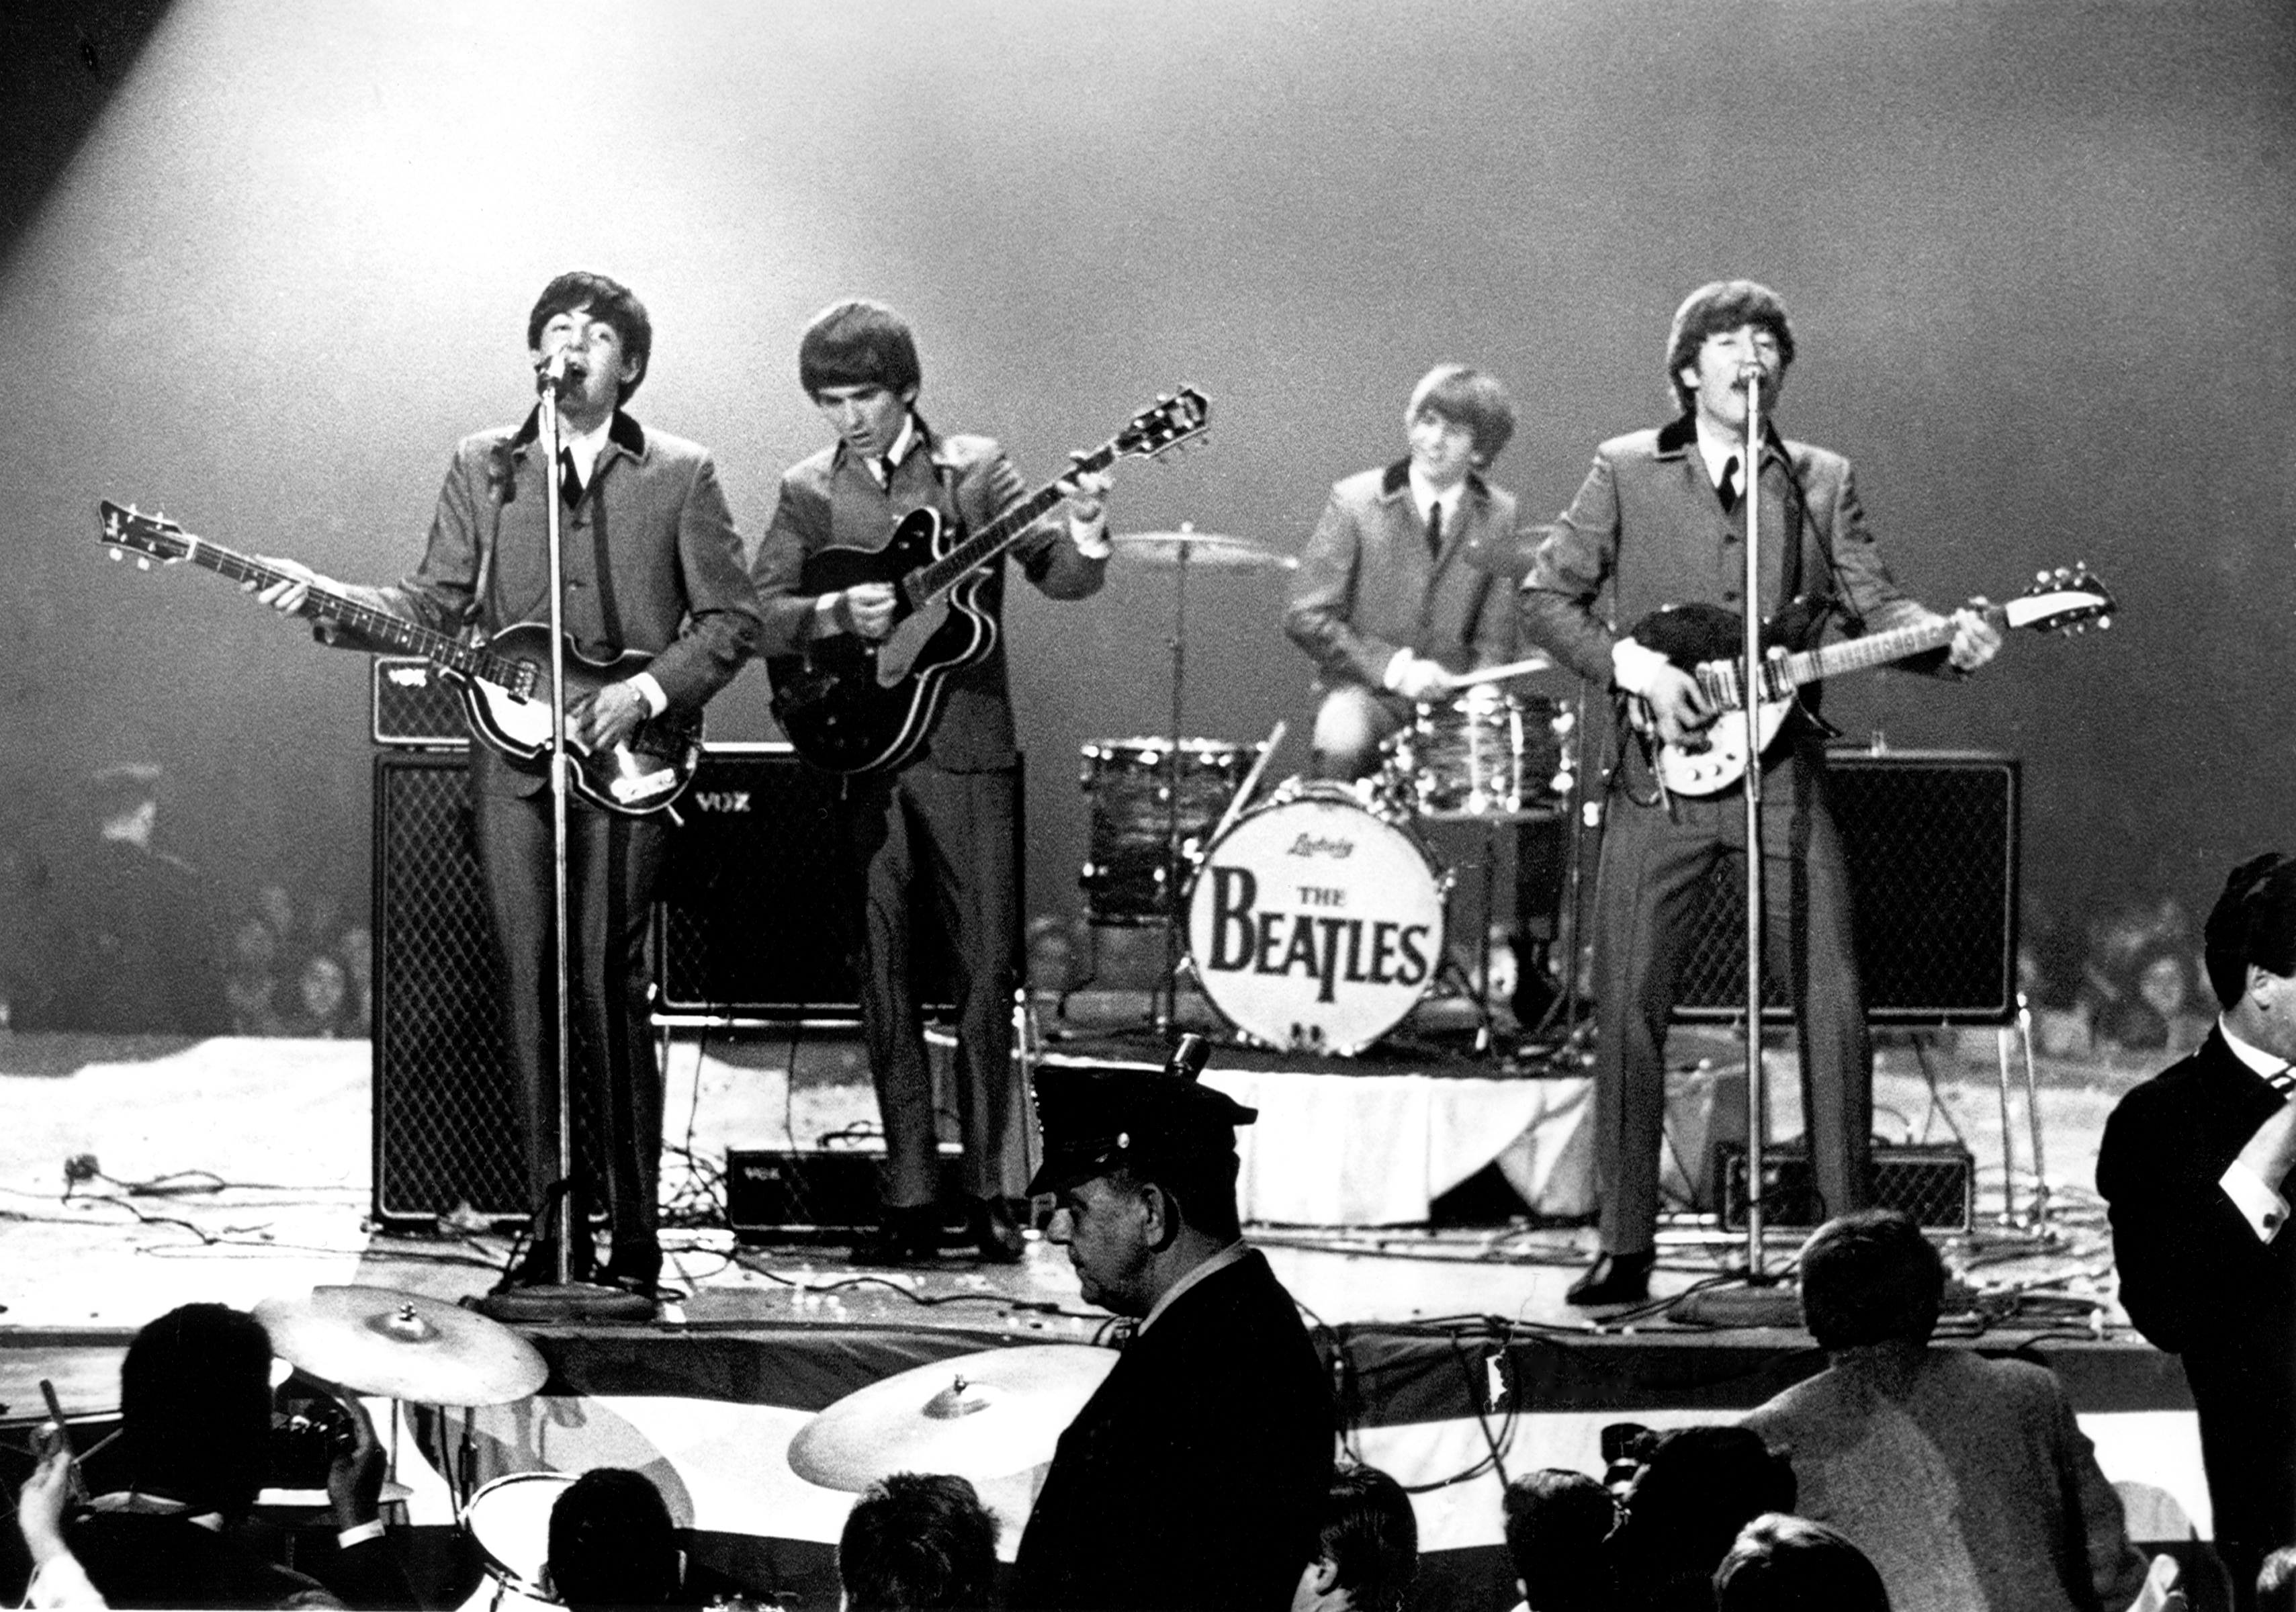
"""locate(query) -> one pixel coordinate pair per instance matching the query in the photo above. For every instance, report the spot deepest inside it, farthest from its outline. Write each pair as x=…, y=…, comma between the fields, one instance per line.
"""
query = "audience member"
x=1193, y=1475
x=59, y=1584
x=1556, y=1523
x=1965, y=1480
x=1699, y=1487
x=196, y=1424
x=1366, y=1548
x=918, y=1542
x=1788, y=1564
x=612, y=1543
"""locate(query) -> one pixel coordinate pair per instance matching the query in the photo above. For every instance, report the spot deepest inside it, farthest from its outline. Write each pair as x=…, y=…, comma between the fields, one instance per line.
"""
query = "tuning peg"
x=117, y=555
x=142, y=563
x=2104, y=622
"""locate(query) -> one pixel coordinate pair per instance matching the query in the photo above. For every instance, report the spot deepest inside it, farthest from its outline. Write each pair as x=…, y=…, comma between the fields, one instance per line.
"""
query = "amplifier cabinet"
x=413, y=708
x=1936, y=1186
x=1931, y=839
x=757, y=890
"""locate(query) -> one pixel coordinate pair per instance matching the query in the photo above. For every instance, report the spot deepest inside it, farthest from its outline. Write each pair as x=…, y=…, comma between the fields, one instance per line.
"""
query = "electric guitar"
x=1703, y=640
x=849, y=705
x=505, y=681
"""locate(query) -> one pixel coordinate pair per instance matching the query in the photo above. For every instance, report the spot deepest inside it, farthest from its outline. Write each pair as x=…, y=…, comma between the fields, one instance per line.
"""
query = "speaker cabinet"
x=756, y=891
x=445, y=1115
x=1930, y=838
x=1936, y=1186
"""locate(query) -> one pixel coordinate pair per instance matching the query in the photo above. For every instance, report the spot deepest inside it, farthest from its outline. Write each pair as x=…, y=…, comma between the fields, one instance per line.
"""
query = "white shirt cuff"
x=1091, y=537
x=2264, y=1209
x=650, y=690
x=358, y=1535
x=1393, y=675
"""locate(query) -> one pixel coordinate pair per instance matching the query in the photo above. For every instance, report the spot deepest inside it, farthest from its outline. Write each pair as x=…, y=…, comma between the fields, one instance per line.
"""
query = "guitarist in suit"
x=1658, y=521
x=1386, y=603
x=2197, y=1167
x=651, y=564
x=945, y=821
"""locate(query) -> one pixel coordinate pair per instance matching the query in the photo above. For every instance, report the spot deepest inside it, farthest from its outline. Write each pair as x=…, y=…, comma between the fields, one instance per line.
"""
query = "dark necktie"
x=570, y=484
x=1728, y=485
x=1435, y=530
x=885, y=465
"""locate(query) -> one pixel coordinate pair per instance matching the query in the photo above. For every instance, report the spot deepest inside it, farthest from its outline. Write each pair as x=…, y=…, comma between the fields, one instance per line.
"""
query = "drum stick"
x=1242, y=796
x=1500, y=674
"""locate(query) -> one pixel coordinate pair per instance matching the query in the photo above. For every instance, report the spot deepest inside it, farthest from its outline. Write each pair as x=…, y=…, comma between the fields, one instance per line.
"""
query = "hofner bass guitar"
x=1703, y=640
x=852, y=706
x=505, y=681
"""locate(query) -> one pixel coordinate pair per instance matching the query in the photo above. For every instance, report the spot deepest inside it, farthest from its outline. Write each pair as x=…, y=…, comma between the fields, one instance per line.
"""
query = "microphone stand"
x=565, y=1299
x=1750, y=673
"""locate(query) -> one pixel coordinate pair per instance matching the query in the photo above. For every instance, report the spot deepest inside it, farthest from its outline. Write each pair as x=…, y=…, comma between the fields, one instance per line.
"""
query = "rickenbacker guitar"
x=849, y=705
x=505, y=683
x=1703, y=640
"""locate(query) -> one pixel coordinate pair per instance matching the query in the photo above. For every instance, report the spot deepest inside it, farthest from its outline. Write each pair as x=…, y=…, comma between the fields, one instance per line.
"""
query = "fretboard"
x=473, y=661
x=999, y=535
x=1782, y=674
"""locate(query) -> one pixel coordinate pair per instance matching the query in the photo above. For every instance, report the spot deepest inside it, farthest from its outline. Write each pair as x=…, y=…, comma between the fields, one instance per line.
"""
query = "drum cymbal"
x=403, y=1346
x=1201, y=548
x=983, y=1415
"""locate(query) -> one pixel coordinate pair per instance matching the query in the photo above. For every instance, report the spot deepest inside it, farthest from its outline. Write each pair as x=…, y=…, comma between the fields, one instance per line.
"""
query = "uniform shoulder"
x=812, y=472
x=1815, y=461
x=1632, y=445
x=671, y=446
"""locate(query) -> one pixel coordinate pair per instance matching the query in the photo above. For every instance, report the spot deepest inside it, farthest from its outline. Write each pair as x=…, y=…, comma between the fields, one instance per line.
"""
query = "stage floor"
x=235, y=1169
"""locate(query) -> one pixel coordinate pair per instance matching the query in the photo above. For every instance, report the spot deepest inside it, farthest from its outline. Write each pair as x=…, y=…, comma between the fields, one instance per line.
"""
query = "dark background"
x=265, y=262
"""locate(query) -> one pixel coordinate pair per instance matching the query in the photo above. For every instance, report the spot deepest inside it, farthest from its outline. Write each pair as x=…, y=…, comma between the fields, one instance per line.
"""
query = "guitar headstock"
x=1176, y=417
x=2063, y=600
x=129, y=530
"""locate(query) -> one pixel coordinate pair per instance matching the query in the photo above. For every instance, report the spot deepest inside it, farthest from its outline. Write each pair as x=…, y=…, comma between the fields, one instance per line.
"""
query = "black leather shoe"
x=637, y=1267
x=1614, y=1279
x=988, y=1222
x=905, y=1237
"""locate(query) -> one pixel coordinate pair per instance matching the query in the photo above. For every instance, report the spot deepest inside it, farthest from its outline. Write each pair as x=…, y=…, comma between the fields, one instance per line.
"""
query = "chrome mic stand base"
x=572, y=1301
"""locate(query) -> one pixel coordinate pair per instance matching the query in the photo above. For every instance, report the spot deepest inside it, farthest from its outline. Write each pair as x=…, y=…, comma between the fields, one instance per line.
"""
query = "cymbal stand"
x=1164, y=1000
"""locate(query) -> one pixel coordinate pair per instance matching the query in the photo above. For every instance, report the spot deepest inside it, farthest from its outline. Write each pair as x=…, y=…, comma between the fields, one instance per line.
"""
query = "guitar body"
x=851, y=706
x=644, y=773
x=1699, y=637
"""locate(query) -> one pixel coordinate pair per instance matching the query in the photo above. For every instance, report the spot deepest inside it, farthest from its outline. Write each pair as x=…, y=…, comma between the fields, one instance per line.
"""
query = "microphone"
x=551, y=373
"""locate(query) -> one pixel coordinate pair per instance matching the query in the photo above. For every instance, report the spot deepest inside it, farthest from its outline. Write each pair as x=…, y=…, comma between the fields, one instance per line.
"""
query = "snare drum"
x=1130, y=783
x=1483, y=753
x=509, y=1521
x=1315, y=923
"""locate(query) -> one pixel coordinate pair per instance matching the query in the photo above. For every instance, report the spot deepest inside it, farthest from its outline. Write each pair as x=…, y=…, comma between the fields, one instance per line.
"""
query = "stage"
x=1452, y=1355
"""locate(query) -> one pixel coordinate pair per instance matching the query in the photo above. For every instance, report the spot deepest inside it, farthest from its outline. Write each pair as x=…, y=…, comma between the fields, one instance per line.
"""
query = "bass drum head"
x=509, y=1521
x=1314, y=924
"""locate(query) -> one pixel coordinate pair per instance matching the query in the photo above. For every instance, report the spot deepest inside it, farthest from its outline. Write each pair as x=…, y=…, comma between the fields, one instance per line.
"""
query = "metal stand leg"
x=2008, y=1216
x=2039, y=1218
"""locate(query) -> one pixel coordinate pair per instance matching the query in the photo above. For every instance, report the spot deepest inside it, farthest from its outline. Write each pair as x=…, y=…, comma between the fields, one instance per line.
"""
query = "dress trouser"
x=2247, y=1405
x=954, y=831
x=1654, y=866
x=613, y=866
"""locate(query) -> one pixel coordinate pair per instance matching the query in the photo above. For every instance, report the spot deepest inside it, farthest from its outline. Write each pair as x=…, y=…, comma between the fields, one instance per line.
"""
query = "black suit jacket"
x=140, y=1560
x=1193, y=1478
x=2197, y=1282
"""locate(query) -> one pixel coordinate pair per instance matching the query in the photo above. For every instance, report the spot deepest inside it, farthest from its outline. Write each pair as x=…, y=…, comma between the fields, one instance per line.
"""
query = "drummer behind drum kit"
x=1314, y=917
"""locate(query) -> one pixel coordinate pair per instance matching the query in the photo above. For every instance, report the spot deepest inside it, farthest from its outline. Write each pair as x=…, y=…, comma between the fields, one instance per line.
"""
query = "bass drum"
x=1316, y=924
x=509, y=1522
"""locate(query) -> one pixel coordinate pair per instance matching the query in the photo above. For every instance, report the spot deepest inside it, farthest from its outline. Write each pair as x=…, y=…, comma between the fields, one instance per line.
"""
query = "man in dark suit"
x=1660, y=521
x=1386, y=602
x=947, y=819
x=2196, y=1168
x=651, y=564
x=1195, y=1476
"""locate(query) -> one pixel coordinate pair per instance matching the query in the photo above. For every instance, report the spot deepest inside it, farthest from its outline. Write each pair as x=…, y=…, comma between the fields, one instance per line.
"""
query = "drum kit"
x=1314, y=917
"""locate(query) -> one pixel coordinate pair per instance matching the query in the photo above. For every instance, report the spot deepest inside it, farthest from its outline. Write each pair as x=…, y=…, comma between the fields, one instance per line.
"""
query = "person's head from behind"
x=1699, y=1487
x=918, y=1541
x=603, y=328
x=1789, y=1563
x=1870, y=1278
x=1556, y=1521
x=195, y=1408
x=2249, y=945
x=2275, y=1582
x=1366, y=1547
x=612, y=1542
x=1459, y=420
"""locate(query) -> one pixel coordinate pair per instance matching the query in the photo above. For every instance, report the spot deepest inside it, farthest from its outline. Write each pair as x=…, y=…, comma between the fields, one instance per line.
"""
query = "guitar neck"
x=1782, y=674
x=443, y=648
x=1001, y=533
